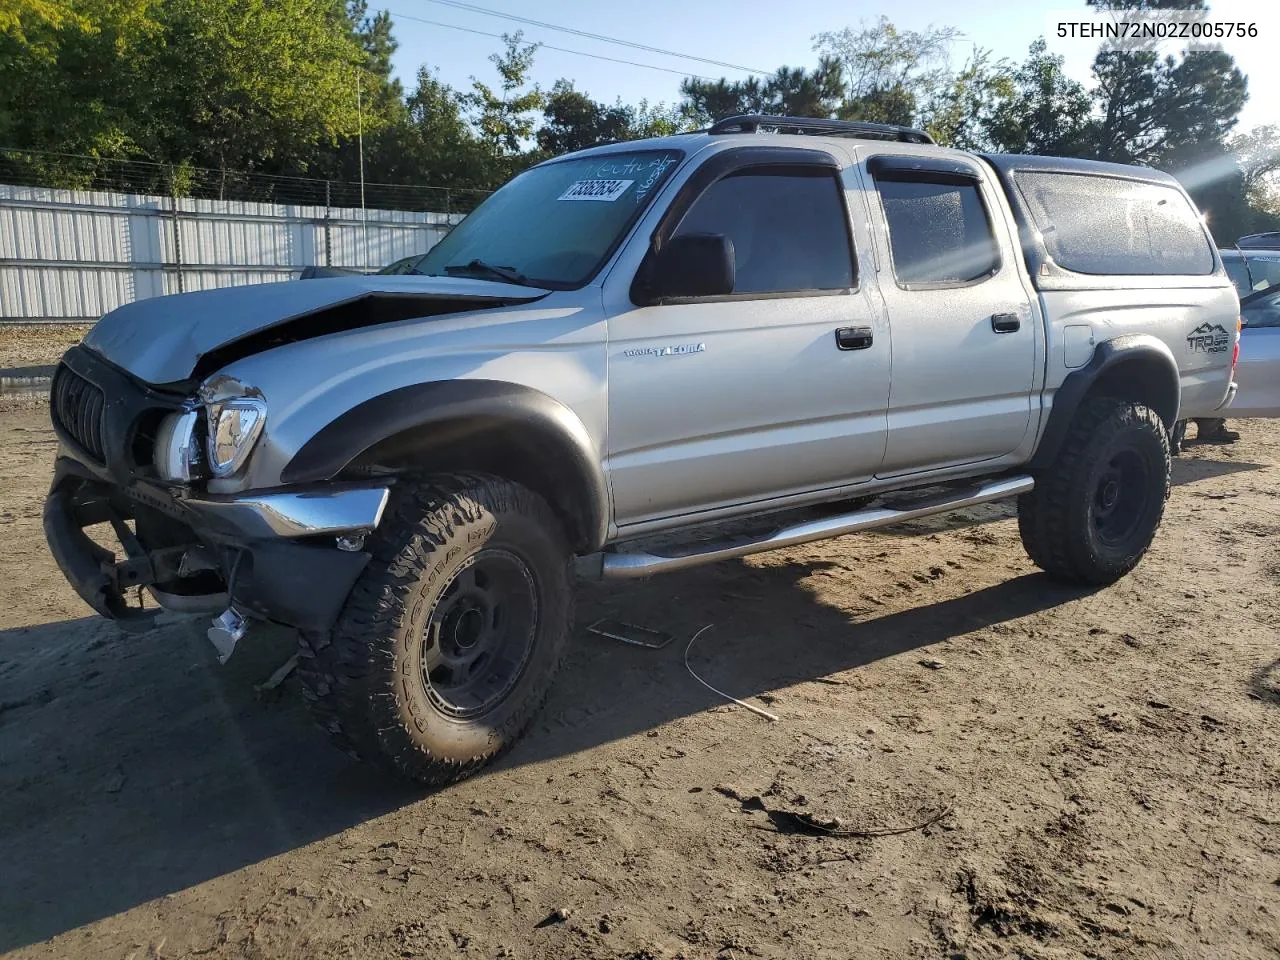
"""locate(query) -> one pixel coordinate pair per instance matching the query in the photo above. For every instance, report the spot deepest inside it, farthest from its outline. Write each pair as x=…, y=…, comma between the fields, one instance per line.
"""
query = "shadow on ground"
x=134, y=766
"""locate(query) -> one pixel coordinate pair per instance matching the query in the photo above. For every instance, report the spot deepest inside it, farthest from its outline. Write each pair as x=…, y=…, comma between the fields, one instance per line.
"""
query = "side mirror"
x=691, y=265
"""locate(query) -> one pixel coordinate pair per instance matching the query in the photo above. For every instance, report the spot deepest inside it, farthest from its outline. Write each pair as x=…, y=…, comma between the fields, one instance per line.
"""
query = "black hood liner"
x=363, y=311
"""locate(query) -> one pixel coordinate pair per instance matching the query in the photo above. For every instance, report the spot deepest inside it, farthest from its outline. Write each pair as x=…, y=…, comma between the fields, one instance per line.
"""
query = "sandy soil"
x=1101, y=767
x=35, y=345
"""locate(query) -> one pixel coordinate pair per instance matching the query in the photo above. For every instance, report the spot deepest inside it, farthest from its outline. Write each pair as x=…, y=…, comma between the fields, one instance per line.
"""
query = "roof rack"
x=751, y=123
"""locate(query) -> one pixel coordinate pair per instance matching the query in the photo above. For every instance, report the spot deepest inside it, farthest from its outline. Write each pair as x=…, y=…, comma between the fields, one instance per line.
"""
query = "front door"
x=780, y=387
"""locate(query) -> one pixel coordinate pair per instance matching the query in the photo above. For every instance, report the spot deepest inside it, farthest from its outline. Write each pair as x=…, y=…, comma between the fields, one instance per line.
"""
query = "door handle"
x=1005, y=322
x=854, y=338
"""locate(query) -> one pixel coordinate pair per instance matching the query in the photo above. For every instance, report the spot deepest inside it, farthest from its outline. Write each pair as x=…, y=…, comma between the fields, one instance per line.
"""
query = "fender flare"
x=420, y=418
x=1160, y=387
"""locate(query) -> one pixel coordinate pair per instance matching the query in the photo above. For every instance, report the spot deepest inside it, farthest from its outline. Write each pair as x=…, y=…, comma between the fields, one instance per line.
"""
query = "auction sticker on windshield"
x=608, y=190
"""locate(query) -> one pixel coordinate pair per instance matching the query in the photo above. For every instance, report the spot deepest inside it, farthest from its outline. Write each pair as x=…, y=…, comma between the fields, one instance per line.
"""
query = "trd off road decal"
x=1209, y=338
x=607, y=190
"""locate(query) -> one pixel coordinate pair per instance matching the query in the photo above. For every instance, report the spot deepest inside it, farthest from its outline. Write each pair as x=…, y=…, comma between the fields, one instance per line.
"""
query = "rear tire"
x=449, y=640
x=1095, y=510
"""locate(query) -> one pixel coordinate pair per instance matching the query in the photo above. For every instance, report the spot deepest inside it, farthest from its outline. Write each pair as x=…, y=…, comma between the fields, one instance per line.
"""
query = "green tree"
x=439, y=146
x=256, y=84
x=963, y=112
x=1258, y=154
x=18, y=18
x=790, y=91
x=1046, y=112
x=889, y=74
x=506, y=117
x=658, y=120
x=72, y=78
x=572, y=121
x=1151, y=106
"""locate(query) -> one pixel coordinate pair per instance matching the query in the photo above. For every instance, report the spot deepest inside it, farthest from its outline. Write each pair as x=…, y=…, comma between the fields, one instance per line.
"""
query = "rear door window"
x=939, y=232
x=1113, y=226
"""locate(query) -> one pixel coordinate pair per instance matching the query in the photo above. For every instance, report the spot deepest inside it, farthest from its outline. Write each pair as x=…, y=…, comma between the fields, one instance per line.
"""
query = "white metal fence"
x=71, y=256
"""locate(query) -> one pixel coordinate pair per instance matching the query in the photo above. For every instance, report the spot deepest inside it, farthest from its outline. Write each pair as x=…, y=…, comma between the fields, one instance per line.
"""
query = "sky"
x=763, y=35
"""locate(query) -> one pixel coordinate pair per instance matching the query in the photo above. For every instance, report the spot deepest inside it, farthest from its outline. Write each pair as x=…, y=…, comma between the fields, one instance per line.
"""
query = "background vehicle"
x=1260, y=241
x=1256, y=274
x=639, y=338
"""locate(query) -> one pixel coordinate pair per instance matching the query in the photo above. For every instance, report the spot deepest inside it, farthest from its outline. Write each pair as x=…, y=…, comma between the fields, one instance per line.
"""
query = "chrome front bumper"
x=289, y=514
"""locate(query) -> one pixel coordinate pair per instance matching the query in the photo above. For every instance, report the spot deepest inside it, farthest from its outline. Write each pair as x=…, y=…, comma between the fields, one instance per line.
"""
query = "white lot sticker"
x=609, y=190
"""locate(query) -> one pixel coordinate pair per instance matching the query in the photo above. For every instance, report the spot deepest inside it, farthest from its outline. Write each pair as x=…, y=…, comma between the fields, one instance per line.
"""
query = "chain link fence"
x=35, y=168
x=80, y=236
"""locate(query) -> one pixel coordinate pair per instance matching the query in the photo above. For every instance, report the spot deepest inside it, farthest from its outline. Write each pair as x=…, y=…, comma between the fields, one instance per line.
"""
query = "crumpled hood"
x=163, y=339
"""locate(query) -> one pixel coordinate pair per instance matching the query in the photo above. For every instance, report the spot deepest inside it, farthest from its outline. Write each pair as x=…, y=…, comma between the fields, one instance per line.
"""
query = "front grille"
x=77, y=405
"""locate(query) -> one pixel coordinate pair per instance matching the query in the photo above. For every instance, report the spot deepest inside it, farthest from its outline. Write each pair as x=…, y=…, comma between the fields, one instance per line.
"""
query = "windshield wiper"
x=509, y=274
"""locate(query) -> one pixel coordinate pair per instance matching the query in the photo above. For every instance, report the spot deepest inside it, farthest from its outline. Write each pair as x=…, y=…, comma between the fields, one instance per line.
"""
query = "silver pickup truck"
x=771, y=314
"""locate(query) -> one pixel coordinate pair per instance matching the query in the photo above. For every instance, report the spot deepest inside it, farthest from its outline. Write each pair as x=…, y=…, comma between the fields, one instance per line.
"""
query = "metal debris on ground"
x=278, y=677
x=630, y=633
x=742, y=703
x=798, y=821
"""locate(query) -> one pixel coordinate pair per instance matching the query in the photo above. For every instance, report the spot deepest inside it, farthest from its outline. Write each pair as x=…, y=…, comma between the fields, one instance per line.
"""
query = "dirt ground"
x=32, y=345
x=1100, y=768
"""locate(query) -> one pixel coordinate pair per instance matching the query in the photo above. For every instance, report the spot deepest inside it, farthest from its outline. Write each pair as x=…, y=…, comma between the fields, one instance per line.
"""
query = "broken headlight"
x=176, y=454
x=234, y=426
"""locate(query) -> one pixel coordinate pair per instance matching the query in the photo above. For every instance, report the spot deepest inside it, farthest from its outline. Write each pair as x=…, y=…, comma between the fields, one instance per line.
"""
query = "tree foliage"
x=1045, y=111
x=307, y=87
x=889, y=75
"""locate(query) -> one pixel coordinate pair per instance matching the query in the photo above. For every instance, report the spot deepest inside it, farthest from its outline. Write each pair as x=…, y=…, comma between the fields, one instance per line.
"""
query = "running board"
x=626, y=566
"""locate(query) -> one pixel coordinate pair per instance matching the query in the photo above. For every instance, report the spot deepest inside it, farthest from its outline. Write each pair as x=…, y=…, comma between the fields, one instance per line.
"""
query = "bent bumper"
x=295, y=514
x=262, y=546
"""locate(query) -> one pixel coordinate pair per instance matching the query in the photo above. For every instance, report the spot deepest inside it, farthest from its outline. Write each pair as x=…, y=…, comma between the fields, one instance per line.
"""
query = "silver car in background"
x=1256, y=274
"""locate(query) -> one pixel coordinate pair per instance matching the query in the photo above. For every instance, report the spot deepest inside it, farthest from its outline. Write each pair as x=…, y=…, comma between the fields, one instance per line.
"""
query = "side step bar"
x=626, y=566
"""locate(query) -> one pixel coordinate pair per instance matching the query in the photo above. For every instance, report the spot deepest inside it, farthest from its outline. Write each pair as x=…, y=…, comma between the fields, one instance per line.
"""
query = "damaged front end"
x=129, y=509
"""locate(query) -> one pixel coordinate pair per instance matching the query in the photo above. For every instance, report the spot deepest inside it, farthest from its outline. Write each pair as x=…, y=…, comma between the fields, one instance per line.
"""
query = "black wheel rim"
x=479, y=634
x=1120, y=498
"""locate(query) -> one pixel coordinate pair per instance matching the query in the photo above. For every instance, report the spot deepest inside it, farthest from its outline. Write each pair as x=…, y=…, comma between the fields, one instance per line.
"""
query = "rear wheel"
x=450, y=639
x=1095, y=510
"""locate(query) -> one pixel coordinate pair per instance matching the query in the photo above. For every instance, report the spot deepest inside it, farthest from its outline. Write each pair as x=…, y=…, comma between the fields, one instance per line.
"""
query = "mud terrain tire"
x=1095, y=510
x=448, y=643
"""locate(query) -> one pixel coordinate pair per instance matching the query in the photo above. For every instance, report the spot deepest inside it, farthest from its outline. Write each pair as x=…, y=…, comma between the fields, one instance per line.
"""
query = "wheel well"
x=533, y=458
x=1145, y=380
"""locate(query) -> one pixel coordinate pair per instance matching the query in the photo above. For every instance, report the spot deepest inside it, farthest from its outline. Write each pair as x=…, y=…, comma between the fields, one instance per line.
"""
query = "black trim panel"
x=1130, y=348
x=413, y=421
x=892, y=166
x=127, y=400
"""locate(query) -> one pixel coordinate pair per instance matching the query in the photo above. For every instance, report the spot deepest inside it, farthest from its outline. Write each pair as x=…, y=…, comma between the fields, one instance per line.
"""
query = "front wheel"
x=1094, y=511
x=449, y=641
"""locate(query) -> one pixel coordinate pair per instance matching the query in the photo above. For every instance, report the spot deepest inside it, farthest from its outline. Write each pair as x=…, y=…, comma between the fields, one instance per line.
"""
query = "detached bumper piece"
x=92, y=570
x=254, y=552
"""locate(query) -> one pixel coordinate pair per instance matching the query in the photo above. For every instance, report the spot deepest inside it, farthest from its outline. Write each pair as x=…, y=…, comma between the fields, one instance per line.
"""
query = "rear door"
x=966, y=331
x=777, y=389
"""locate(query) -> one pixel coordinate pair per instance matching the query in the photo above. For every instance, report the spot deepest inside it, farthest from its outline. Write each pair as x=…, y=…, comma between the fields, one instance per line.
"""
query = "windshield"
x=555, y=225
